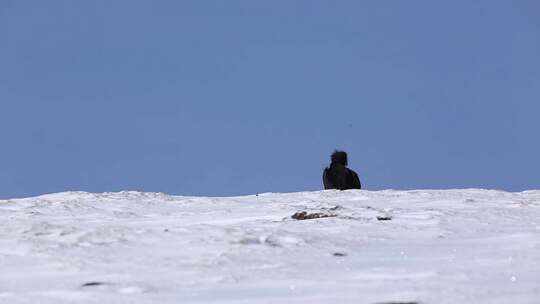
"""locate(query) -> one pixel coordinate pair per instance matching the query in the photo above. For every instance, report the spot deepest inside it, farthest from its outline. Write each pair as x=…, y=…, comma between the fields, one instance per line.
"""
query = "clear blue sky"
x=240, y=97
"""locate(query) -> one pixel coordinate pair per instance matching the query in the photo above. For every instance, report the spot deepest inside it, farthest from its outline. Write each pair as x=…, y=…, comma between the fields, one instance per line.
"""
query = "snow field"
x=435, y=246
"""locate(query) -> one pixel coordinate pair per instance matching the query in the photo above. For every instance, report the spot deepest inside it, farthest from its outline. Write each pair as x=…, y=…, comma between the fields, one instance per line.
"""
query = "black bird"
x=338, y=176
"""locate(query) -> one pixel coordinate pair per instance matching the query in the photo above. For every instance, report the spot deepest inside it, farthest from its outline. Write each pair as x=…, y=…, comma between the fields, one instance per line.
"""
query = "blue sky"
x=238, y=97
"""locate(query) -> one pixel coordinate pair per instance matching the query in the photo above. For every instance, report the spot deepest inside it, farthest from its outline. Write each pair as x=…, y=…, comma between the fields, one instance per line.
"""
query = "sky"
x=221, y=98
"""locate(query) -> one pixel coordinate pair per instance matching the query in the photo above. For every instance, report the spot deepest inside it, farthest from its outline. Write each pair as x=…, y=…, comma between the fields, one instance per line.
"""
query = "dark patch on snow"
x=91, y=284
x=339, y=254
x=384, y=218
x=303, y=215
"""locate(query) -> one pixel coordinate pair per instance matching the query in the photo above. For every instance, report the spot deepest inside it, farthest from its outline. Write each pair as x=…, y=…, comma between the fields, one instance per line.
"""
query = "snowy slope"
x=452, y=246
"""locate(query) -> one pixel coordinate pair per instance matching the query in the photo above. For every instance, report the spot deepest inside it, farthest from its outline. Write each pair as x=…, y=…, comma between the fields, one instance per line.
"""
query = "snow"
x=435, y=246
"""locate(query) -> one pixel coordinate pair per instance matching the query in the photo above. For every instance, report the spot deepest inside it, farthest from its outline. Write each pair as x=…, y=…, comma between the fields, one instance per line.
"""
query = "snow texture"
x=423, y=246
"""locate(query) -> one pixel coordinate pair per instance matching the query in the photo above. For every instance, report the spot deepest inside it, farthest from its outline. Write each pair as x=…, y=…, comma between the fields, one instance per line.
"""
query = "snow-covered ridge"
x=428, y=246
